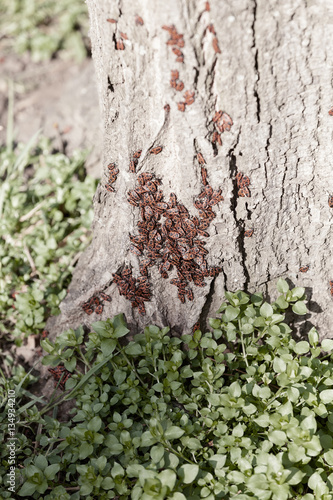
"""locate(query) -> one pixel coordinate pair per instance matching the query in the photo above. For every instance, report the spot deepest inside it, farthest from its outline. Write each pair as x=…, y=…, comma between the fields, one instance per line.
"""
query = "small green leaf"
x=326, y=396
x=173, y=432
x=302, y=347
x=108, y=346
x=188, y=473
x=231, y=313
x=282, y=286
x=266, y=310
x=41, y=462
x=313, y=337
x=299, y=308
x=327, y=345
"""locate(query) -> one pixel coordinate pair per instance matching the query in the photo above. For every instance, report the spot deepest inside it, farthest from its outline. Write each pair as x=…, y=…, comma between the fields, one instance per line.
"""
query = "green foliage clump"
x=45, y=215
x=46, y=29
x=244, y=411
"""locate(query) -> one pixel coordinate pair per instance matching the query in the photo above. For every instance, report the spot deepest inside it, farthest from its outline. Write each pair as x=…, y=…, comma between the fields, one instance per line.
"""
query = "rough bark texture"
x=274, y=78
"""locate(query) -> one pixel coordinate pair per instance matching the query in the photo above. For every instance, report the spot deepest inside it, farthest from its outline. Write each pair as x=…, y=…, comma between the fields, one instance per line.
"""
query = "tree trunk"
x=268, y=67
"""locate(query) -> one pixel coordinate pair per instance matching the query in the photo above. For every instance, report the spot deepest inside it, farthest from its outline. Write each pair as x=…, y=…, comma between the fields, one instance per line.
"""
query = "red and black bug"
x=304, y=269
x=156, y=150
x=181, y=106
x=330, y=201
x=105, y=297
x=248, y=233
x=138, y=20
x=244, y=192
x=45, y=334
x=216, y=45
x=112, y=21
x=120, y=45
x=330, y=112
x=99, y=309
x=180, y=86
x=137, y=154
x=189, y=97
x=174, y=74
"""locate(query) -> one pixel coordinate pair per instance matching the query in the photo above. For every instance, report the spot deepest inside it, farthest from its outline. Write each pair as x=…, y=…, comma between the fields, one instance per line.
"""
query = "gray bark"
x=274, y=78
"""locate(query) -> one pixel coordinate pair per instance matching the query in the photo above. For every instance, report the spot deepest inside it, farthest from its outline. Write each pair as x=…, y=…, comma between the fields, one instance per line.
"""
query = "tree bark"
x=273, y=76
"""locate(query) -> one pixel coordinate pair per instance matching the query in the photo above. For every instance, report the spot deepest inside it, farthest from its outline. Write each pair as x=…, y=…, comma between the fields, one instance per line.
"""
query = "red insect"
x=216, y=46
x=139, y=21
x=244, y=192
x=196, y=327
x=330, y=112
x=109, y=188
x=111, y=166
x=227, y=121
x=180, y=42
x=180, y=59
x=45, y=334
x=105, y=297
x=123, y=36
x=174, y=74
x=330, y=201
x=216, y=138
x=207, y=6
x=204, y=176
x=181, y=106
x=189, y=97
x=180, y=86
x=156, y=151
x=132, y=166
x=217, y=116
x=201, y=159
x=120, y=45
x=177, y=51
x=112, y=21
x=304, y=269
x=248, y=233
x=99, y=309
x=137, y=154
x=173, y=84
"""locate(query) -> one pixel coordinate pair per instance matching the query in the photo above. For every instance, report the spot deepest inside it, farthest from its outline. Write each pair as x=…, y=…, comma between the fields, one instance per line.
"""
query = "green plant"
x=45, y=215
x=46, y=29
x=241, y=412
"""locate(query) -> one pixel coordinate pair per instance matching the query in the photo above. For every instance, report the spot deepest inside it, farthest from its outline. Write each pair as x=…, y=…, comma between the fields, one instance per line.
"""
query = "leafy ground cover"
x=45, y=29
x=242, y=411
x=45, y=216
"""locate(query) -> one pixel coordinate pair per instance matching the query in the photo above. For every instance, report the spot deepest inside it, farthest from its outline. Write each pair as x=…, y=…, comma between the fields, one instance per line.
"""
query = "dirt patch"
x=58, y=97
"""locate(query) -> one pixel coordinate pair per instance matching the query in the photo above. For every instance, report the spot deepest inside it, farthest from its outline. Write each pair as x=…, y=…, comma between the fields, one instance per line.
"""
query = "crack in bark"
x=256, y=64
x=233, y=204
x=207, y=305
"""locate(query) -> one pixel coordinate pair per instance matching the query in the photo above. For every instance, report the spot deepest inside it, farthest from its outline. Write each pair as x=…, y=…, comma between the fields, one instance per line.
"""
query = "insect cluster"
x=134, y=160
x=60, y=375
x=137, y=290
x=169, y=237
x=177, y=39
x=242, y=183
x=113, y=172
x=95, y=303
x=222, y=122
x=174, y=83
